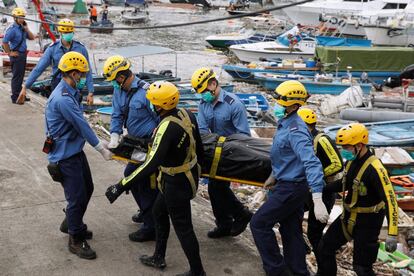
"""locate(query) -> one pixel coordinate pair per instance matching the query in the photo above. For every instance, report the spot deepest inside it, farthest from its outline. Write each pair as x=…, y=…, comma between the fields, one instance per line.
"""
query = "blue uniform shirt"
x=52, y=56
x=141, y=120
x=226, y=117
x=14, y=35
x=292, y=155
x=66, y=124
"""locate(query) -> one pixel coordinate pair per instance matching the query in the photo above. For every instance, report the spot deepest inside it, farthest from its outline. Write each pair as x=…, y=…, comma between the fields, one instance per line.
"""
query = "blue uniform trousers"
x=18, y=65
x=78, y=187
x=144, y=197
x=284, y=206
x=226, y=206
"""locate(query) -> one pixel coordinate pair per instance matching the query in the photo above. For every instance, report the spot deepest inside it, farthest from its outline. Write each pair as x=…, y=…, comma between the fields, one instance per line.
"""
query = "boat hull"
x=398, y=133
x=270, y=83
x=252, y=56
x=384, y=36
x=243, y=73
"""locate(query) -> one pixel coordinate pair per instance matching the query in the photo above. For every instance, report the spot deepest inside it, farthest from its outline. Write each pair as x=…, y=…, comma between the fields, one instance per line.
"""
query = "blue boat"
x=243, y=73
x=398, y=133
x=271, y=81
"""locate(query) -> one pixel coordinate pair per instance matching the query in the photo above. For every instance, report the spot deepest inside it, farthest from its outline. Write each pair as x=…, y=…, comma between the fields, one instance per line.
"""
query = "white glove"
x=106, y=154
x=114, y=140
x=319, y=208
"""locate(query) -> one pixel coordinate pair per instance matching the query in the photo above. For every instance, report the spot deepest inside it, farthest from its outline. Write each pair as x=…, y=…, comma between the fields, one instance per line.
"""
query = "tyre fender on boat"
x=393, y=32
x=333, y=20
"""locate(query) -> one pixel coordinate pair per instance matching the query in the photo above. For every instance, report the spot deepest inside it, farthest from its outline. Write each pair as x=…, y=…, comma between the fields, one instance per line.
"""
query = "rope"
x=174, y=25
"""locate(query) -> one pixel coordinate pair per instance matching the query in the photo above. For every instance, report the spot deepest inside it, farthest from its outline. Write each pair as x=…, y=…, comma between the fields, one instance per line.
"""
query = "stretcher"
x=240, y=181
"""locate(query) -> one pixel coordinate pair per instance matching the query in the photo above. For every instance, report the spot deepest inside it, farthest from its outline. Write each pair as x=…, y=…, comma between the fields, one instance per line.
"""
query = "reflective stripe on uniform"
x=157, y=140
x=335, y=160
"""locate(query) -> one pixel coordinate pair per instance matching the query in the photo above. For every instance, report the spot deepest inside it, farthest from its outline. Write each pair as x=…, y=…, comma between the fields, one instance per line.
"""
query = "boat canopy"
x=342, y=41
x=367, y=58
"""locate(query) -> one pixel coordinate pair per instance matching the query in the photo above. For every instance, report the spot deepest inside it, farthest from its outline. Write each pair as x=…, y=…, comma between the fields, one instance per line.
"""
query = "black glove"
x=113, y=192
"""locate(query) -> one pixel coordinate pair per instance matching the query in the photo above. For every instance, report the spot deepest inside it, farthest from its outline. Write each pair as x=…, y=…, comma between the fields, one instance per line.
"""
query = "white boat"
x=274, y=50
x=388, y=36
x=134, y=17
x=350, y=11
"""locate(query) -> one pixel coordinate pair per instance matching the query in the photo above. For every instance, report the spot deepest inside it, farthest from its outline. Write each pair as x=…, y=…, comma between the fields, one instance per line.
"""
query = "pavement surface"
x=31, y=212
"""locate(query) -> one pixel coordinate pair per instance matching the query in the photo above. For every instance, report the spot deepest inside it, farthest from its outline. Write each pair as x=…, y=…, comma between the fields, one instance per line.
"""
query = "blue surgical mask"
x=208, y=97
x=67, y=36
x=81, y=83
x=116, y=85
x=348, y=155
x=280, y=111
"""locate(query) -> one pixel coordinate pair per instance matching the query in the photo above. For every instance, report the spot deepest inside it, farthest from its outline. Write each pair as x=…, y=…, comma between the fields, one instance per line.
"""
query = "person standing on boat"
x=105, y=13
x=295, y=168
x=332, y=165
x=67, y=131
x=132, y=110
x=223, y=113
x=93, y=14
x=177, y=151
x=14, y=45
x=53, y=54
x=369, y=198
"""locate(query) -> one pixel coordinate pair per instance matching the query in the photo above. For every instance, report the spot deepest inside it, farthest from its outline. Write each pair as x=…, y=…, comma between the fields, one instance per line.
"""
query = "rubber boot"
x=79, y=246
x=240, y=222
x=156, y=261
x=141, y=236
x=219, y=232
x=138, y=217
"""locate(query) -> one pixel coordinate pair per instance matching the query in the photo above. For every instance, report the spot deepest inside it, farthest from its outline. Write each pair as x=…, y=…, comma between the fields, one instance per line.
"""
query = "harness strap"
x=217, y=156
x=191, y=158
x=349, y=226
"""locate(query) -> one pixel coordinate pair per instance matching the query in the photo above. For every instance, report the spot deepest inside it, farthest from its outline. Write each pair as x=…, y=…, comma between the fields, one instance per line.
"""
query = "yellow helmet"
x=307, y=115
x=352, y=134
x=291, y=92
x=200, y=78
x=113, y=65
x=163, y=94
x=66, y=26
x=18, y=12
x=73, y=61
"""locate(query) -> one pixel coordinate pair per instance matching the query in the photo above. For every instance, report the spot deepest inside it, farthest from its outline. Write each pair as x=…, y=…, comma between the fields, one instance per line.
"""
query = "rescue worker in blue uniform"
x=132, y=109
x=332, y=165
x=54, y=52
x=222, y=113
x=177, y=151
x=369, y=198
x=295, y=168
x=14, y=44
x=68, y=130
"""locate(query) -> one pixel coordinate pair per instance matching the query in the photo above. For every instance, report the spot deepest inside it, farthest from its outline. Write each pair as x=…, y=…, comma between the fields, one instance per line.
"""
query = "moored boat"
x=245, y=73
x=382, y=134
x=329, y=86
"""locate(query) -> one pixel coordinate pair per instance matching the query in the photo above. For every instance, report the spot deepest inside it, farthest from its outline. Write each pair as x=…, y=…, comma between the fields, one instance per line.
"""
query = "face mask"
x=67, y=37
x=208, y=97
x=280, y=111
x=81, y=83
x=348, y=155
x=116, y=85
